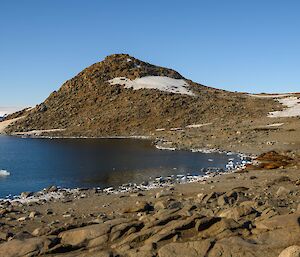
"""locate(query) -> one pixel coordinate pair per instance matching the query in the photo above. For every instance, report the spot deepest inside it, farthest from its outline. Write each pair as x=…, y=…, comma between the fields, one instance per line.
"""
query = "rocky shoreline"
x=157, y=182
x=253, y=211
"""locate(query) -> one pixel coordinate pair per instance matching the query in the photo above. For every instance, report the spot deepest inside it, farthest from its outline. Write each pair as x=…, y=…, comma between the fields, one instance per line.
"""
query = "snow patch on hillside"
x=293, y=108
x=268, y=95
x=275, y=125
x=166, y=84
x=198, y=125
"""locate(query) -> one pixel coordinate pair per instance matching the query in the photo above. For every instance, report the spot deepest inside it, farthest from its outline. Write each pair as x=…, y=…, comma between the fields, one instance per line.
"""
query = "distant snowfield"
x=4, y=124
x=166, y=84
x=9, y=110
x=293, y=108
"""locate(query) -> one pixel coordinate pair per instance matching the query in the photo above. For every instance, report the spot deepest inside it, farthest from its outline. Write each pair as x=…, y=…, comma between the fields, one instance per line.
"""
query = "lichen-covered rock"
x=190, y=249
x=280, y=221
x=238, y=247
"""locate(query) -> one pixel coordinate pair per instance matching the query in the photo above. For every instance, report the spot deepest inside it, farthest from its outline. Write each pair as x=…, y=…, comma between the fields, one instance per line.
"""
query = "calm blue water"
x=37, y=163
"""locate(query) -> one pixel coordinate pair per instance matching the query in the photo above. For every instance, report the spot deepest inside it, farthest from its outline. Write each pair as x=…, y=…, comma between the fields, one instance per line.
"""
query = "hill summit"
x=124, y=96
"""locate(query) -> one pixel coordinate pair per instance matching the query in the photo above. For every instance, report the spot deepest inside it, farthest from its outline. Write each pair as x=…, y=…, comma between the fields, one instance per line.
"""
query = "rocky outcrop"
x=203, y=236
x=181, y=231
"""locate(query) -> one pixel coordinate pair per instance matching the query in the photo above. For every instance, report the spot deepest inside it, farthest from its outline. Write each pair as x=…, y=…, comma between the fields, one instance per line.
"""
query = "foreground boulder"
x=237, y=213
x=292, y=251
x=27, y=247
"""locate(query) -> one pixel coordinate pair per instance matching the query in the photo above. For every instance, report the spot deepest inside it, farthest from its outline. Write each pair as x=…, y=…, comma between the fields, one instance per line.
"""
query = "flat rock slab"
x=79, y=236
x=279, y=222
x=237, y=247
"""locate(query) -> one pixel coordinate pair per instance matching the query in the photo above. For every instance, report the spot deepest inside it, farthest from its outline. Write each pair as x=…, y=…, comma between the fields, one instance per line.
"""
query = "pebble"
x=22, y=219
x=26, y=194
x=33, y=214
x=282, y=191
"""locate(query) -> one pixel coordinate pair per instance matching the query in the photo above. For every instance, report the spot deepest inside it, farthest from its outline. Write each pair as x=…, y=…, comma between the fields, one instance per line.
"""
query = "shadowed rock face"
x=88, y=105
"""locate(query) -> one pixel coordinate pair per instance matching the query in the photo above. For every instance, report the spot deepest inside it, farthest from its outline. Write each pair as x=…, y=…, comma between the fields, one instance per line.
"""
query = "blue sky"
x=237, y=45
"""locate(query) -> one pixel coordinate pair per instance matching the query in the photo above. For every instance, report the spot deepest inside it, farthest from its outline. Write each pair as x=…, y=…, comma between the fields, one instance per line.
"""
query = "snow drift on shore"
x=177, y=86
x=8, y=110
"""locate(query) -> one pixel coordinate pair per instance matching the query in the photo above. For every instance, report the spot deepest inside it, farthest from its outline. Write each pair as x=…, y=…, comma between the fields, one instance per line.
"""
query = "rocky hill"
x=122, y=95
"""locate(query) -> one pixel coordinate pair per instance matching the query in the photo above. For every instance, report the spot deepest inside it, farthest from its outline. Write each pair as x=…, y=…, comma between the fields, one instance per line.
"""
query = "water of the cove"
x=37, y=163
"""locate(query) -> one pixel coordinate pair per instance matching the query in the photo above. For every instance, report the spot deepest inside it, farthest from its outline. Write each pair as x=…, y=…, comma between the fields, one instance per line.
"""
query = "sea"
x=31, y=164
